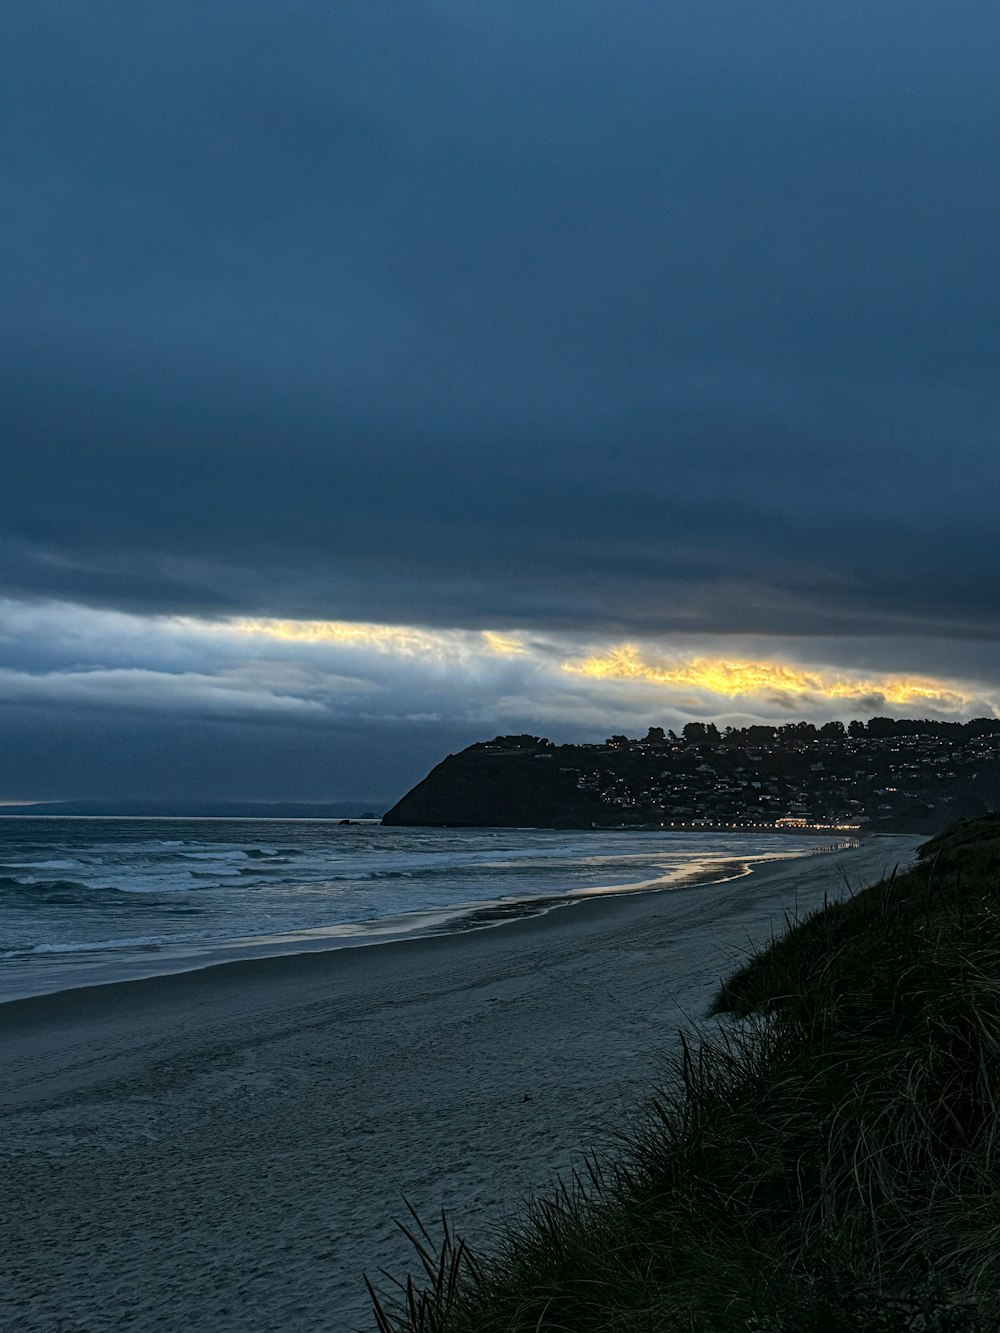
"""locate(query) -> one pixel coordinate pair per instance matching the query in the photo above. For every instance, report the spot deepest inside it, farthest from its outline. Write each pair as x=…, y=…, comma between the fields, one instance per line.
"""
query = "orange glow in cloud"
x=730, y=677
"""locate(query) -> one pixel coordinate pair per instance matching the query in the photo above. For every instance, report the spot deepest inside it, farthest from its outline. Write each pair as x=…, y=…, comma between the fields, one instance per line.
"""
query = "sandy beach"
x=227, y=1149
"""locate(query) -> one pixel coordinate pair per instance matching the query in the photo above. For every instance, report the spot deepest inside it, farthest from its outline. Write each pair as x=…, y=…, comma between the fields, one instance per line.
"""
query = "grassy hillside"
x=825, y=1156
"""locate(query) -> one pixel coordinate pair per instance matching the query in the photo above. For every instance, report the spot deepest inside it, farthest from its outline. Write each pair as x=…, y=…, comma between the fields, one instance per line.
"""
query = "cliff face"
x=489, y=787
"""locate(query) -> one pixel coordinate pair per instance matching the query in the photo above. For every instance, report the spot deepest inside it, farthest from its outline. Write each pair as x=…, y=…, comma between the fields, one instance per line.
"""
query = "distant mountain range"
x=204, y=809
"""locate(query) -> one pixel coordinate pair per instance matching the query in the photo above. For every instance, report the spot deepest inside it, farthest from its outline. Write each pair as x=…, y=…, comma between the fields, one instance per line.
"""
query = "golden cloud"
x=405, y=640
x=724, y=677
x=505, y=645
x=731, y=677
x=401, y=639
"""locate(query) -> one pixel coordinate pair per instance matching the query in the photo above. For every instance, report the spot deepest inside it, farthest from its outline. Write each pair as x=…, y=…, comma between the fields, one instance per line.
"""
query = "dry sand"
x=227, y=1149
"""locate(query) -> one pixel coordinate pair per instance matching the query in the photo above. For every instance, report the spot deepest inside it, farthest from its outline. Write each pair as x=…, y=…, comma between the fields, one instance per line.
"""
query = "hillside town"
x=882, y=774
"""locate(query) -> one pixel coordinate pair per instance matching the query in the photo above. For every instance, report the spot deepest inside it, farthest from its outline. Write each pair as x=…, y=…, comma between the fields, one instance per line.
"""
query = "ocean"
x=88, y=900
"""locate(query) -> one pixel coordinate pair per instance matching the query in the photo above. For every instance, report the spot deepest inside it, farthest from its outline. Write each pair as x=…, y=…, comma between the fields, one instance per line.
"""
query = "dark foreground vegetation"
x=824, y=1158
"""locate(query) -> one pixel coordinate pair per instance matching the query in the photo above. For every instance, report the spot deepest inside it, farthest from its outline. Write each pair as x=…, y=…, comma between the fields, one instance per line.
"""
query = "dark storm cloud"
x=619, y=316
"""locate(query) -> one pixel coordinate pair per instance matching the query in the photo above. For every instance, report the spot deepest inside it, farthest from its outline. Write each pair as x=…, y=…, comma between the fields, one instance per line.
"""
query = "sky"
x=381, y=376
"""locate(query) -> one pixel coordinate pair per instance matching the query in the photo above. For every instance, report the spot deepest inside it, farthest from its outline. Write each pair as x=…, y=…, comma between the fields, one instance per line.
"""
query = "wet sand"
x=225, y=1150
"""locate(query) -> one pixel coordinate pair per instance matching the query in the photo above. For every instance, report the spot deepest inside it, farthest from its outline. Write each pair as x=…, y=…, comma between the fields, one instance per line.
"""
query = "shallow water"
x=90, y=900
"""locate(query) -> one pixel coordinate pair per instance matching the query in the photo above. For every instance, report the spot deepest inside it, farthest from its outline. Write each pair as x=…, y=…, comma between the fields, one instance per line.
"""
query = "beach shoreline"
x=226, y=1148
x=76, y=970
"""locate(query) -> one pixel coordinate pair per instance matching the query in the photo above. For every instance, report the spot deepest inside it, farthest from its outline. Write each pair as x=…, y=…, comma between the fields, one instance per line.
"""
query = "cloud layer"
x=371, y=702
x=659, y=338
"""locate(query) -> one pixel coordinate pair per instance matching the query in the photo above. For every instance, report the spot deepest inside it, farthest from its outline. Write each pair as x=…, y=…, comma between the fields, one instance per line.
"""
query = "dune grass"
x=823, y=1157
